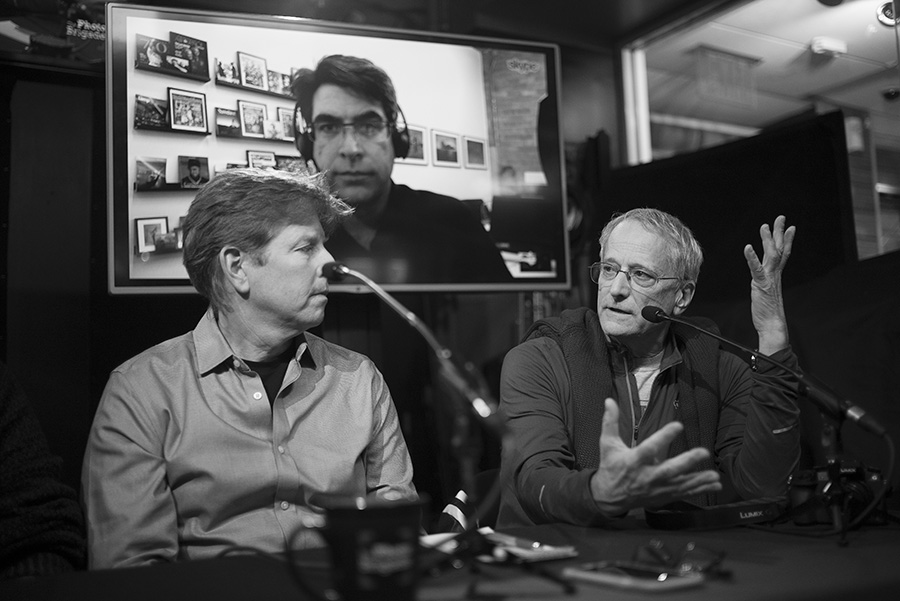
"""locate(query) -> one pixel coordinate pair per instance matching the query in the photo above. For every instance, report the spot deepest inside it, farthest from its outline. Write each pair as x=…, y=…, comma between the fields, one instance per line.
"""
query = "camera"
x=815, y=487
x=891, y=93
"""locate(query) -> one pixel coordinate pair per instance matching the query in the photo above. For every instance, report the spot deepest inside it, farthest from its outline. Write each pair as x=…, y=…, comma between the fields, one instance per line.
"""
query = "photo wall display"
x=251, y=72
x=444, y=149
x=178, y=110
x=192, y=94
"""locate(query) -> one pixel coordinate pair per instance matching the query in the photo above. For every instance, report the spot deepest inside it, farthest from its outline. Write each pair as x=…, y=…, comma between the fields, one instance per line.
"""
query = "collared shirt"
x=186, y=458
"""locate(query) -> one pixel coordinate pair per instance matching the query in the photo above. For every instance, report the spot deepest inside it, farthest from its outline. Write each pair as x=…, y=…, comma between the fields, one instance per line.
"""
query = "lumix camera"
x=852, y=487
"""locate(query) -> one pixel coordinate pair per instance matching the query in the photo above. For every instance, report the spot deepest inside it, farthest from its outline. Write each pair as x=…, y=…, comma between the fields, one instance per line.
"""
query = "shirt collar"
x=213, y=349
x=671, y=354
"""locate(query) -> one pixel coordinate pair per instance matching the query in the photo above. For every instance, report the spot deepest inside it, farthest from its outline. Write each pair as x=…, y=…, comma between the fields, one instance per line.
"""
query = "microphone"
x=826, y=400
x=335, y=271
x=483, y=406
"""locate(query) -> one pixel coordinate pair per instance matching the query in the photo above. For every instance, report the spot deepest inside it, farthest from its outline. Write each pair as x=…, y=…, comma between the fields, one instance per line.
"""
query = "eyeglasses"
x=606, y=272
x=690, y=558
x=365, y=129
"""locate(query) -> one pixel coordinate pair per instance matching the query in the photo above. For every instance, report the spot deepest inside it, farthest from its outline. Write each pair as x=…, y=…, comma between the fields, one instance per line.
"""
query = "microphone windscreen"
x=653, y=314
x=334, y=271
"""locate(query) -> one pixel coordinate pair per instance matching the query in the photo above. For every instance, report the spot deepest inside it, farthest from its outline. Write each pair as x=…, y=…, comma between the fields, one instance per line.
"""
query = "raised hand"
x=641, y=476
x=766, y=301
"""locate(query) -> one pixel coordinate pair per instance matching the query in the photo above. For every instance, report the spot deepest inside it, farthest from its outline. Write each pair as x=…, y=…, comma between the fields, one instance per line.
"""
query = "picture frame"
x=276, y=81
x=474, y=156
x=286, y=116
x=273, y=129
x=228, y=124
x=188, y=177
x=150, y=53
x=445, y=149
x=261, y=159
x=253, y=71
x=192, y=53
x=253, y=118
x=149, y=173
x=187, y=111
x=151, y=113
x=293, y=164
x=146, y=230
x=418, y=146
x=227, y=73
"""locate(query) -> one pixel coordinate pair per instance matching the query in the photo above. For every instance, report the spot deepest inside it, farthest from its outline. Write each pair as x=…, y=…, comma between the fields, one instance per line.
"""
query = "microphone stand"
x=834, y=495
x=469, y=543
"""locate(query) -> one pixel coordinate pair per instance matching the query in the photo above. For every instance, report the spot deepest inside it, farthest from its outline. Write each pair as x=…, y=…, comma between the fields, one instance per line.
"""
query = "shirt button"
x=281, y=449
x=257, y=395
x=285, y=505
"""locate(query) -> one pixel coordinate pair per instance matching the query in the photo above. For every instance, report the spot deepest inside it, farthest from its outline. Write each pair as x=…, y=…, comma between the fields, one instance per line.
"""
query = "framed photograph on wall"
x=253, y=71
x=290, y=163
x=228, y=124
x=187, y=110
x=261, y=159
x=149, y=173
x=446, y=149
x=193, y=52
x=474, y=151
x=286, y=116
x=193, y=171
x=418, y=148
x=151, y=113
x=147, y=231
x=227, y=72
x=253, y=118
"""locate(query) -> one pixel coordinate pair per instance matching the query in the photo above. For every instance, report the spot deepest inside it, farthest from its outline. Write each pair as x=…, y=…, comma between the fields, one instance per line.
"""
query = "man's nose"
x=349, y=141
x=620, y=285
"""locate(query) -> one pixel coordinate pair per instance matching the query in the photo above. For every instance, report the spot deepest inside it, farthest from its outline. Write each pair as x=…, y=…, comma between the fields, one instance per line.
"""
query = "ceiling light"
x=830, y=2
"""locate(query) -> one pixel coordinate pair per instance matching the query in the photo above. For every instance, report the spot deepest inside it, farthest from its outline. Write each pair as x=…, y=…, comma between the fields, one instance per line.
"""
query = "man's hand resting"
x=641, y=476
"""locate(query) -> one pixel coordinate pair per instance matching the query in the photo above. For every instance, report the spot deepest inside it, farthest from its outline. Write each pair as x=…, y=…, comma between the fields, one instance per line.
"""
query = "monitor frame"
x=133, y=269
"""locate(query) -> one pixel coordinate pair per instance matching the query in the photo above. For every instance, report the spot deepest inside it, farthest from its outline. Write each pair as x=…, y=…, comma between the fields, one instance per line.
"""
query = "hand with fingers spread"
x=766, y=302
x=642, y=476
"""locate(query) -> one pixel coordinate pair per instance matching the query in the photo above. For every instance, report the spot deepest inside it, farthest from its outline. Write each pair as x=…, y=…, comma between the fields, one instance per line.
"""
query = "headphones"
x=304, y=143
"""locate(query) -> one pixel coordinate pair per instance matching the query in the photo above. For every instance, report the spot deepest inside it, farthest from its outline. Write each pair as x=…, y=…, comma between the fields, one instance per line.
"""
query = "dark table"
x=766, y=564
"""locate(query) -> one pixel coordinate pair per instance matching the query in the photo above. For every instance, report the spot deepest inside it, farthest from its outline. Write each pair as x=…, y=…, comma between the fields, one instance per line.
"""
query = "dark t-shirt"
x=424, y=237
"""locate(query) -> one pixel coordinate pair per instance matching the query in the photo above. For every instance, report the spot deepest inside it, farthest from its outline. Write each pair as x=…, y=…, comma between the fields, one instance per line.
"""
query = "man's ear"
x=232, y=263
x=684, y=297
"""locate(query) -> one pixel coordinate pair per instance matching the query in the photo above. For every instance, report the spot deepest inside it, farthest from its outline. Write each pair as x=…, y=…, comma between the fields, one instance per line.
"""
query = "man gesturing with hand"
x=610, y=412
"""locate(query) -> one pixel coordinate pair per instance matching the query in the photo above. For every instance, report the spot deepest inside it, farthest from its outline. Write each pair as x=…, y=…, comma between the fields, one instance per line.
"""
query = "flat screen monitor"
x=192, y=93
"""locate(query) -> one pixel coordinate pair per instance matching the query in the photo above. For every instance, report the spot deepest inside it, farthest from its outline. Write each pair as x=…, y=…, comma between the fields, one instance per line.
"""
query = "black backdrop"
x=726, y=192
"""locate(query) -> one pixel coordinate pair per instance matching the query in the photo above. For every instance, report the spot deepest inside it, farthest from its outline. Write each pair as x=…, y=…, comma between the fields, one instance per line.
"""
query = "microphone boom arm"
x=485, y=408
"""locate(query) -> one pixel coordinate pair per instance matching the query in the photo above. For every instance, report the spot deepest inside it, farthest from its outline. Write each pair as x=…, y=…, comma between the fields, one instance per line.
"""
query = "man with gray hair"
x=610, y=412
x=233, y=434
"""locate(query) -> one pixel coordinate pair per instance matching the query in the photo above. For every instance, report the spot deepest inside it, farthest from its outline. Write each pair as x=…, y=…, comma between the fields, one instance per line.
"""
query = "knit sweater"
x=41, y=524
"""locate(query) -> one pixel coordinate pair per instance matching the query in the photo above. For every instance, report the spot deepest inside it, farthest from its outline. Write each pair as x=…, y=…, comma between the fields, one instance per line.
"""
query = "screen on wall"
x=476, y=199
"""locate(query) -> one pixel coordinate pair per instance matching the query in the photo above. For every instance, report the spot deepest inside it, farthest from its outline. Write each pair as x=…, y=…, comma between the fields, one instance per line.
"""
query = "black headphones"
x=304, y=143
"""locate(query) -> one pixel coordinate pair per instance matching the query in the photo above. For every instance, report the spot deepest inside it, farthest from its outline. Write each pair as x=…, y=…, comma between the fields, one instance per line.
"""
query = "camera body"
x=860, y=485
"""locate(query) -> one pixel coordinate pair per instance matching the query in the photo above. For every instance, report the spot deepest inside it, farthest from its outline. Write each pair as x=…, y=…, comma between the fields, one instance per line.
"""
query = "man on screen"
x=352, y=128
x=692, y=421
x=235, y=434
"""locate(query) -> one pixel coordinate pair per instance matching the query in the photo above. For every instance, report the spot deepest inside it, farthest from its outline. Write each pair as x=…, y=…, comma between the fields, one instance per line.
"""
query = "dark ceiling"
x=586, y=23
x=589, y=23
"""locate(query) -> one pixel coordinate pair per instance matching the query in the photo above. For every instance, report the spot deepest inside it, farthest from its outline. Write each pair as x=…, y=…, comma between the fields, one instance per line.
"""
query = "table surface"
x=784, y=563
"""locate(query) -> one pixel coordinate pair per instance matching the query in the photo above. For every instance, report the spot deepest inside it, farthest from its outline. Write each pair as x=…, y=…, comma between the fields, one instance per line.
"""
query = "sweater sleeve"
x=541, y=480
x=41, y=524
x=758, y=439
